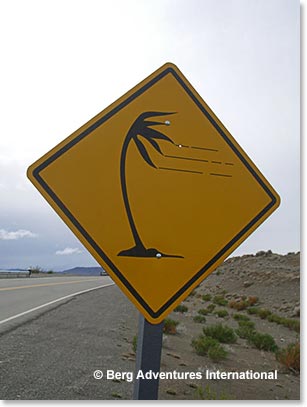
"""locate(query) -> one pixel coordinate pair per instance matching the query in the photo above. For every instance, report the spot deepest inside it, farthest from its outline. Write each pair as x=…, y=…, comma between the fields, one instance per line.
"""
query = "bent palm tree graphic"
x=142, y=128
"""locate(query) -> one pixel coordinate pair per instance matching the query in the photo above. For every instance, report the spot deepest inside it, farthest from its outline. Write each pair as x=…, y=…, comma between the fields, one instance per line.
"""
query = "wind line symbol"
x=202, y=160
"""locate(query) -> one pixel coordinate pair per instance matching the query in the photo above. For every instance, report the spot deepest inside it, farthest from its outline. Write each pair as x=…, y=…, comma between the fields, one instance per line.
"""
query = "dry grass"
x=170, y=326
x=238, y=305
x=290, y=357
x=252, y=300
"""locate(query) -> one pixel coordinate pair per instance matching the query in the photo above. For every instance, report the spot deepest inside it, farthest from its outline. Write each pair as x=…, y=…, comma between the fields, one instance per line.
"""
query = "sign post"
x=148, y=358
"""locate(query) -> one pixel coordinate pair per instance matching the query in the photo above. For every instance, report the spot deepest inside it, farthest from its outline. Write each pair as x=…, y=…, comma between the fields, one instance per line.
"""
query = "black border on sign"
x=90, y=240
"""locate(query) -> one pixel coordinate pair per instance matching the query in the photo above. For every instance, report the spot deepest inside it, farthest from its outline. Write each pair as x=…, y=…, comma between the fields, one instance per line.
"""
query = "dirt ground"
x=274, y=279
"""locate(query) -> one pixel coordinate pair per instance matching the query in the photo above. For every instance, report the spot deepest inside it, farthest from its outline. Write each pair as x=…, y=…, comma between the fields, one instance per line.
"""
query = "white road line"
x=52, y=302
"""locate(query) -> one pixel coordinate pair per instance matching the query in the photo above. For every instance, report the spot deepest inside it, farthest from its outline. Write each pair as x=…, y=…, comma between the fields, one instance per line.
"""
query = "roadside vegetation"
x=170, y=326
x=246, y=329
x=220, y=300
x=206, y=297
x=181, y=308
x=289, y=357
x=243, y=302
x=201, y=319
x=223, y=333
x=38, y=270
x=210, y=343
x=263, y=341
x=205, y=345
x=207, y=393
x=221, y=313
x=134, y=343
x=264, y=313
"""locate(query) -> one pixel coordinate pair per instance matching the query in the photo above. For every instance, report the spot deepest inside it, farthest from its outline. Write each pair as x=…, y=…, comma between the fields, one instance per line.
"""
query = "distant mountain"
x=84, y=271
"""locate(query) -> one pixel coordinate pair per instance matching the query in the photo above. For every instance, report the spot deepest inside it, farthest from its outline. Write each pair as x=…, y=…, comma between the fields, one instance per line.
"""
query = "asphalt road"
x=53, y=355
x=22, y=299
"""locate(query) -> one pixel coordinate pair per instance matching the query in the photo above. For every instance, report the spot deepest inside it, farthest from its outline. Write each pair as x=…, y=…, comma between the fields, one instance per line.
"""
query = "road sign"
x=157, y=190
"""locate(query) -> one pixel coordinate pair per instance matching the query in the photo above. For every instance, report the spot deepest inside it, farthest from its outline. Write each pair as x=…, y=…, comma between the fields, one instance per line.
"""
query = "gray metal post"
x=148, y=357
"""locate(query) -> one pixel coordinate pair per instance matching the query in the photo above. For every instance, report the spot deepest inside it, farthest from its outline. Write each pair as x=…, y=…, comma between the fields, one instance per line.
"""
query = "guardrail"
x=11, y=274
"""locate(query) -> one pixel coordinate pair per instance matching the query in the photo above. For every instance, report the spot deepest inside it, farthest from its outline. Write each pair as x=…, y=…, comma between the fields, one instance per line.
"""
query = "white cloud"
x=18, y=234
x=67, y=251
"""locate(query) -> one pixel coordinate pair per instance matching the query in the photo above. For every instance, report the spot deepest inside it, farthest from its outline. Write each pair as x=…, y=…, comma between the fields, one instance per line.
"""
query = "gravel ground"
x=53, y=357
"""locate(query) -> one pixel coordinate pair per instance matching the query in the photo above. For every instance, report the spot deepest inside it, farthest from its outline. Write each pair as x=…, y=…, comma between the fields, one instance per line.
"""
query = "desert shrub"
x=252, y=300
x=263, y=342
x=203, y=311
x=200, y=319
x=248, y=324
x=205, y=345
x=238, y=305
x=293, y=324
x=240, y=317
x=253, y=310
x=220, y=300
x=222, y=333
x=246, y=329
x=290, y=357
x=116, y=395
x=206, y=297
x=263, y=313
x=134, y=343
x=217, y=353
x=208, y=394
x=210, y=307
x=170, y=326
x=181, y=308
x=274, y=318
x=244, y=332
x=221, y=313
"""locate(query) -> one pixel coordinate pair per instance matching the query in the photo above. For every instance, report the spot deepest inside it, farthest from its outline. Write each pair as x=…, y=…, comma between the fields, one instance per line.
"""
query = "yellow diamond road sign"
x=157, y=190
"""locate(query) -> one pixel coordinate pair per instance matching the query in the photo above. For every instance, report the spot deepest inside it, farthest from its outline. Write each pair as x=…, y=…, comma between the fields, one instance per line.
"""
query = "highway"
x=52, y=355
x=24, y=298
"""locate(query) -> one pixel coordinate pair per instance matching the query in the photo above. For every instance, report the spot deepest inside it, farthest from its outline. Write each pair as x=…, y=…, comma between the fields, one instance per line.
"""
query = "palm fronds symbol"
x=141, y=128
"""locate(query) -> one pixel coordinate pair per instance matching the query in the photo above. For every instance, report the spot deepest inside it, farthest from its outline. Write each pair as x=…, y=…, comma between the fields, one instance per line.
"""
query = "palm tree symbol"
x=141, y=128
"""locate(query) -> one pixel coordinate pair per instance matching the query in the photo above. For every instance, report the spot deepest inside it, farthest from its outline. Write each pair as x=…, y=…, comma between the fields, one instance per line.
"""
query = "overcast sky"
x=62, y=62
